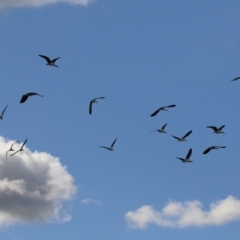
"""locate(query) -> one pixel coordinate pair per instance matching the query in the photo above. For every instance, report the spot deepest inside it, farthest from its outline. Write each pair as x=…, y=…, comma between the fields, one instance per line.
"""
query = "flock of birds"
x=162, y=130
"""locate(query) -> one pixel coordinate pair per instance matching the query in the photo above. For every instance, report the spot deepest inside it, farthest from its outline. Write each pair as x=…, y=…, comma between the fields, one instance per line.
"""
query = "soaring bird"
x=21, y=148
x=235, y=79
x=162, y=108
x=110, y=148
x=187, y=159
x=1, y=117
x=93, y=101
x=11, y=149
x=25, y=96
x=217, y=130
x=212, y=148
x=162, y=130
x=182, y=139
x=49, y=61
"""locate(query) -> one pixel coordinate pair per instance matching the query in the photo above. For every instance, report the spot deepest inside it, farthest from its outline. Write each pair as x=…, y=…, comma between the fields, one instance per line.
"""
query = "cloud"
x=186, y=214
x=33, y=187
x=89, y=201
x=38, y=3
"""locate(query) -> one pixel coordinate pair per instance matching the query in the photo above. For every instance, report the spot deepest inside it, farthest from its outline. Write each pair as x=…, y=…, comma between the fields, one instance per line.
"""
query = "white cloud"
x=33, y=186
x=89, y=201
x=38, y=3
x=186, y=214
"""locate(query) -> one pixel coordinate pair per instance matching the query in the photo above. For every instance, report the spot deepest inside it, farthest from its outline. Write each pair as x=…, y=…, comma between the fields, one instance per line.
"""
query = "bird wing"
x=45, y=57
x=221, y=127
x=189, y=154
x=213, y=127
x=187, y=134
x=113, y=143
x=154, y=131
x=15, y=152
x=176, y=137
x=222, y=147
x=235, y=79
x=104, y=147
x=156, y=112
x=207, y=150
x=24, y=143
x=7, y=153
x=99, y=98
x=24, y=98
x=55, y=59
x=170, y=106
x=164, y=126
x=32, y=94
x=4, y=111
x=90, y=107
x=181, y=159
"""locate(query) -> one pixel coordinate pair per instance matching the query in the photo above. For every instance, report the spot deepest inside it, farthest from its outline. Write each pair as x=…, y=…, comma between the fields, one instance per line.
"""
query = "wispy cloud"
x=33, y=187
x=186, y=214
x=90, y=201
x=38, y=3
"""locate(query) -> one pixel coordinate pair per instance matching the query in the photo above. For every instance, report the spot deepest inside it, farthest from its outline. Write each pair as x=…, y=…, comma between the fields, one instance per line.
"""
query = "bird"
x=25, y=96
x=91, y=103
x=21, y=148
x=235, y=79
x=217, y=130
x=49, y=61
x=11, y=149
x=162, y=130
x=110, y=148
x=187, y=159
x=212, y=148
x=162, y=108
x=1, y=117
x=182, y=139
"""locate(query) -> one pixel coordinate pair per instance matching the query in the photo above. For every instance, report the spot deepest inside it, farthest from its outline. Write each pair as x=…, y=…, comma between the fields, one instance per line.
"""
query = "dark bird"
x=11, y=149
x=212, y=148
x=21, y=148
x=162, y=108
x=162, y=130
x=93, y=101
x=25, y=96
x=187, y=159
x=49, y=61
x=182, y=139
x=217, y=130
x=111, y=148
x=1, y=117
x=235, y=79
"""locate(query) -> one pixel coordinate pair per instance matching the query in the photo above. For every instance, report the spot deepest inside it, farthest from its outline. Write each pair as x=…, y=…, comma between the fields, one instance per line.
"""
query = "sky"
x=140, y=56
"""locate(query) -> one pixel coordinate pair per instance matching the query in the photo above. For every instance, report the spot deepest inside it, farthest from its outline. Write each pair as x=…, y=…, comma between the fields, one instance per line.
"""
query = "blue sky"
x=140, y=55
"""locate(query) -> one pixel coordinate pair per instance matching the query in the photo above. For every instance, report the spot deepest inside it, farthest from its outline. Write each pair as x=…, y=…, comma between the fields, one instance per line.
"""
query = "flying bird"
x=235, y=79
x=25, y=96
x=162, y=130
x=1, y=117
x=110, y=148
x=21, y=148
x=212, y=148
x=182, y=139
x=49, y=61
x=162, y=108
x=187, y=159
x=217, y=130
x=91, y=103
x=11, y=149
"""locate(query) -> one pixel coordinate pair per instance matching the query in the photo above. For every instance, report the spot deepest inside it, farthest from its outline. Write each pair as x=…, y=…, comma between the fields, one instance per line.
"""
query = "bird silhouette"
x=110, y=148
x=182, y=139
x=11, y=149
x=21, y=148
x=25, y=96
x=93, y=101
x=162, y=130
x=187, y=159
x=213, y=148
x=163, y=109
x=1, y=117
x=235, y=79
x=217, y=130
x=49, y=61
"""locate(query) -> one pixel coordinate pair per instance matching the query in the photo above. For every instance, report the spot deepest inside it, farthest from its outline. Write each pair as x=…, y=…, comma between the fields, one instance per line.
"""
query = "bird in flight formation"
x=93, y=101
x=110, y=148
x=162, y=130
x=11, y=149
x=212, y=148
x=182, y=139
x=187, y=159
x=21, y=148
x=217, y=130
x=49, y=61
x=25, y=96
x=1, y=117
x=163, y=109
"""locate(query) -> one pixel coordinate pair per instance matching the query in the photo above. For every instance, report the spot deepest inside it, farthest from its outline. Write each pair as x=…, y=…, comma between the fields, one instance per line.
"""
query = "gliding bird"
x=162, y=108
x=217, y=130
x=182, y=139
x=25, y=96
x=1, y=117
x=21, y=148
x=111, y=148
x=186, y=160
x=11, y=149
x=91, y=103
x=162, y=130
x=49, y=61
x=212, y=148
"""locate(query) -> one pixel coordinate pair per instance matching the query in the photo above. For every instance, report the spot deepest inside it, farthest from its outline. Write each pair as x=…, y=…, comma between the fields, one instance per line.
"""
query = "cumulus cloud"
x=186, y=214
x=90, y=201
x=38, y=3
x=33, y=186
